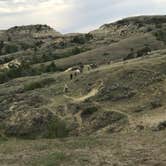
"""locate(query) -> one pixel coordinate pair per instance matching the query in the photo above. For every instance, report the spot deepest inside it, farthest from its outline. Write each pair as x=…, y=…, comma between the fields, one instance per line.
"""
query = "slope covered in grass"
x=112, y=113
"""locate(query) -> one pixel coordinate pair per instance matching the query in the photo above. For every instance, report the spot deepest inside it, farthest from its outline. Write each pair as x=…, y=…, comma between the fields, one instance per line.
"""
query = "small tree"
x=44, y=58
x=88, y=36
x=78, y=40
x=35, y=49
x=76, y=50
x=11, y=48
x=14, y=70
x=51, y=67
x=130, y=55
x=1, y=46
x=9, y=38
x=161, y=35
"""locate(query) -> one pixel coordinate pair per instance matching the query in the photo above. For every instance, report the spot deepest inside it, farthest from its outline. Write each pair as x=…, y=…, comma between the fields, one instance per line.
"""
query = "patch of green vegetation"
x=1, y=46
x=11, y=48
x=74, y=51
x=82, y=39
x=50, y=68
x=57, y=128
x=89, y=111
x=2, y=139
x=52, y=159
x=82, y=142
x=162, y=125
x=46, y=68
x=38, y=84
x=15, y=71
x=5, y=59
x=161, y=35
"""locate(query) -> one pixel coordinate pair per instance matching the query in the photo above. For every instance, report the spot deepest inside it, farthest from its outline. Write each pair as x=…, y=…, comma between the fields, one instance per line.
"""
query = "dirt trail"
x=92, y=93
x=78, y=118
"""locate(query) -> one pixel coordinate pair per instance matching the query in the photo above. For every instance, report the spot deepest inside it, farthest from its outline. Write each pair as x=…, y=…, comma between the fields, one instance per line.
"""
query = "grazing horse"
x=78, y=71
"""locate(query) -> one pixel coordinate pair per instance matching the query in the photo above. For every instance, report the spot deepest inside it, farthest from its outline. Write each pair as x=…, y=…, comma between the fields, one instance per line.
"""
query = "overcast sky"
x=74, y=15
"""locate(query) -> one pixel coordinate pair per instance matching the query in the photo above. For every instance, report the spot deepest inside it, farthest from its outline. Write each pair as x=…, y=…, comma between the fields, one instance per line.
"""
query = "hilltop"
x=113, y=112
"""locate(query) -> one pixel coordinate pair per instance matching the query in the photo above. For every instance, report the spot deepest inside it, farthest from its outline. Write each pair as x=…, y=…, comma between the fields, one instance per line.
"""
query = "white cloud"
x=21, y=12
x=160, y=1
x=74, y=15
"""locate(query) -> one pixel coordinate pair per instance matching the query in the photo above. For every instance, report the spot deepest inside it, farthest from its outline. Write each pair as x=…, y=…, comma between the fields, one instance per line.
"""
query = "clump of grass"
x=51, y=159
x=3, y=138
x=82, y=142
x=89, y=111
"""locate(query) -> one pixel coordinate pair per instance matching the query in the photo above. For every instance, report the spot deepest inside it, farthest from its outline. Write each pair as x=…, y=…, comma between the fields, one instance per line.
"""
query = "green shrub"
x=156, y=103
x=32, y=86
x=89, y=111
x=144, y=51
x=159, y=26
x=11, y=48
x=38, y=28
x=25, y=45
x=1, y=46
x=82, y=39
x=149, y=29
x=38, y=84
x=57, y=128
x=78, y=39
x=76, y=50
x=161, y=35
x=162, y=125
x=8, y=74
x=88, y=36
x=51, y=67
x=3, y=77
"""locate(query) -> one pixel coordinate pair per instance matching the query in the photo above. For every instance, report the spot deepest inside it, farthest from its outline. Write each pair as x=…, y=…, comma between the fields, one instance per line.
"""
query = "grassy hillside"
x=112, y=113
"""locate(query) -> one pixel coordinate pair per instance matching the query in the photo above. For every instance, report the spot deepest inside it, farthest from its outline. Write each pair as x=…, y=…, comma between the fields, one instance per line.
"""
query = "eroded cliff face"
x=35, y=31
x=130, y=26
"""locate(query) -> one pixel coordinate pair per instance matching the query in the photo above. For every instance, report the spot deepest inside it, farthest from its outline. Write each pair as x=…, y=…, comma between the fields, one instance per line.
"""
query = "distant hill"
x=130, y=26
